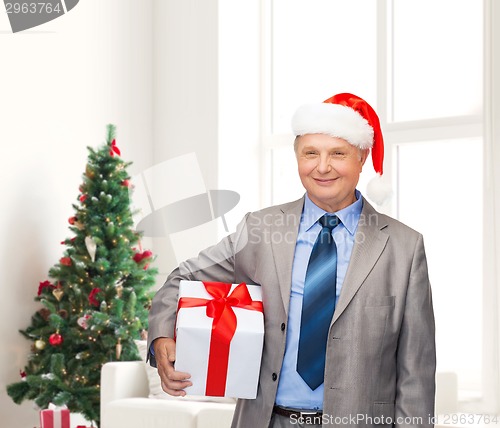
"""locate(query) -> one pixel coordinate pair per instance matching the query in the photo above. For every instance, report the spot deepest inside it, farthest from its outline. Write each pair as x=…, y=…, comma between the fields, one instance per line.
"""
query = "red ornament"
x=139, y=257
x=92, y=299
x=55, y=339
x=114, y=149
x=125, y=183
x=72, y=220
x=22, y=373
x=65, y=261
x=83, y=198
x=44, y=284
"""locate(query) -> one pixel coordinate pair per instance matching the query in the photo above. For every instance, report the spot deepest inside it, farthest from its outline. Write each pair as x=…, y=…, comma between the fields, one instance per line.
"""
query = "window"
x=311, y=51
x=420, y=64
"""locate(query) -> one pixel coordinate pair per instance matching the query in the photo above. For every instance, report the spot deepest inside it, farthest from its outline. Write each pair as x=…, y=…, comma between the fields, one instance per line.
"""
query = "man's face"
x=329, y=169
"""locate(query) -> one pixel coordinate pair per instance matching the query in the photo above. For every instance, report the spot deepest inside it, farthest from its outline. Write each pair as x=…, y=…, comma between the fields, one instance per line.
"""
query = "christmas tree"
x=96, y=300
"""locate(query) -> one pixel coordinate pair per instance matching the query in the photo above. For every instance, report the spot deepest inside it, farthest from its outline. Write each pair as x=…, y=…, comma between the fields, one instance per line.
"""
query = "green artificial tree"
x=97, y=299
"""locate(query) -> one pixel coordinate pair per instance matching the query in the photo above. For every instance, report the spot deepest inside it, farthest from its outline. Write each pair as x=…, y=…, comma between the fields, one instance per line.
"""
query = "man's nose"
x=324, y=165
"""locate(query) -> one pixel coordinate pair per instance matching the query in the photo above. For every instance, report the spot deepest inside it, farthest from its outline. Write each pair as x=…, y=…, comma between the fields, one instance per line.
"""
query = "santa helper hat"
x=351, y=118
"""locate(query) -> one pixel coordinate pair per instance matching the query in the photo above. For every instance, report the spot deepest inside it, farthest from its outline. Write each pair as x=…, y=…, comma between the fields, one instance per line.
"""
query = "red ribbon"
x=223, y=327
x=114, y=149
x=92, y=296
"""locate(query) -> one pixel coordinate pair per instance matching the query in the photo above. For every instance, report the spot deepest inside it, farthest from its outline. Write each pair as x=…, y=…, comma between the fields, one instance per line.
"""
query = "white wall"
x=491, y=249
x=206, y=102
x=60, y=84
x=185, y=67
x=240, y=102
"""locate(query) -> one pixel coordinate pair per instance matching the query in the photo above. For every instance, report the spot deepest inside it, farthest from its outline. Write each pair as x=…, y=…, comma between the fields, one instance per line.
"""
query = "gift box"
x=54, y=417
x=219, y=337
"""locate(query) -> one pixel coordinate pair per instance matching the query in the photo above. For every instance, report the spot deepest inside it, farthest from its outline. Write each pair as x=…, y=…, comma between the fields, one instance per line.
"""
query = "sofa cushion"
x=147, y=413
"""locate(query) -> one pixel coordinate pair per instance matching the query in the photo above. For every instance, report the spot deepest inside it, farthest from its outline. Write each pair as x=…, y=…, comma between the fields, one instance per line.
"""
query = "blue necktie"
x=318, y=305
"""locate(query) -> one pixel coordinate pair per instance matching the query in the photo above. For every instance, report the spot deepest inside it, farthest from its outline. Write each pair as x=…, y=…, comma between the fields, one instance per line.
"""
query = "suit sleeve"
x=215, y=263
x=416, y=354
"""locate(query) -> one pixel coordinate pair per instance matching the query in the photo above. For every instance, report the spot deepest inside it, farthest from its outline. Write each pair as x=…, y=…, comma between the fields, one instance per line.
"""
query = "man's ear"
x=364, y=155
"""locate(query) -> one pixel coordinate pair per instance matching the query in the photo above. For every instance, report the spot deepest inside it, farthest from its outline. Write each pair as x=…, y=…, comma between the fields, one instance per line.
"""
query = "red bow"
x=92, y=300
x=44, y=284
x=114, y=149
x=223, y=327
x=139, y=257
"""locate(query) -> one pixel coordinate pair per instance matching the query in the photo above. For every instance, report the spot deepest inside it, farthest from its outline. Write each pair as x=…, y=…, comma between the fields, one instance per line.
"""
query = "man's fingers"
x=174, y=392
x=169, y=374
x=172, y=381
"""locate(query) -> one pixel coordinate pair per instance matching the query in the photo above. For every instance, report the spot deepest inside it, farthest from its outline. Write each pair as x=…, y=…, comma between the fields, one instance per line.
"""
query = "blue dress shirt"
x=292, y=390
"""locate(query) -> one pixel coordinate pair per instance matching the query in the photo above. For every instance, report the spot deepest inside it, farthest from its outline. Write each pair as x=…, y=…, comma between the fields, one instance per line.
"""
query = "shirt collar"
x=349, y=216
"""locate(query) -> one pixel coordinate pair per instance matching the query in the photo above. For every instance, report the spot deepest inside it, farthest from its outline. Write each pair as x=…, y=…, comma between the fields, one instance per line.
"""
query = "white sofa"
x=126, y=403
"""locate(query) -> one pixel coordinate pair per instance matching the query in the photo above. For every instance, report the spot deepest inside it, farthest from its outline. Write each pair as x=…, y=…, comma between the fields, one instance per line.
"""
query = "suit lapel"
x=284, y=231
x=370, y=241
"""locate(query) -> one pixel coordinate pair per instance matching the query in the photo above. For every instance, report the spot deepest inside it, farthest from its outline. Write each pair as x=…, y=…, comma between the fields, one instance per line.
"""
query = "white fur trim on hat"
x=335, y=120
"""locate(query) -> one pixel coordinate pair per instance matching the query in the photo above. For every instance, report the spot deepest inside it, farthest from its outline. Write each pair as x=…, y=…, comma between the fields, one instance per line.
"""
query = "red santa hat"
x=351, y=118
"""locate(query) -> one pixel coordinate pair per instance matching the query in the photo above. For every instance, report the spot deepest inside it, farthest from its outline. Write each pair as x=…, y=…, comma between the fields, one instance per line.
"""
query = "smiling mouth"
x=325, y=180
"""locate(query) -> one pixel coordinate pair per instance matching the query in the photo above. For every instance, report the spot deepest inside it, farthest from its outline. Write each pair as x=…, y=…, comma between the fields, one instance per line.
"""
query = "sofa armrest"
x=123, y=379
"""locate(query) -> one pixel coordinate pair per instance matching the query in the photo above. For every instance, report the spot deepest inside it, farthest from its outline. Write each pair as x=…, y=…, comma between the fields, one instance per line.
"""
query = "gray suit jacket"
x=380, y=362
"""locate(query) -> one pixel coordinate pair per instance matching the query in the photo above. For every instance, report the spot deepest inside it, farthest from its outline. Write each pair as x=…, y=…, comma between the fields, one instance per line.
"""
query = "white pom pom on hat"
x=378, y=190
x=351, y=118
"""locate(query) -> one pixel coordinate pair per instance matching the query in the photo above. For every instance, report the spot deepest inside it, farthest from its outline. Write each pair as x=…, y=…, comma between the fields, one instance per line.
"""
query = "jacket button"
x=275, y=376
x=283, y=326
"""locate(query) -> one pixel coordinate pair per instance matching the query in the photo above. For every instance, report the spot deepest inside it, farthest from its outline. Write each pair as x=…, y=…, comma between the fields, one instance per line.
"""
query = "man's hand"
x=172, y=382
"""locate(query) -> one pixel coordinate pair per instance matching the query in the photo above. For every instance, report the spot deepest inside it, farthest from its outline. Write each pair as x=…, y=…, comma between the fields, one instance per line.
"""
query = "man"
x=349, y=325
